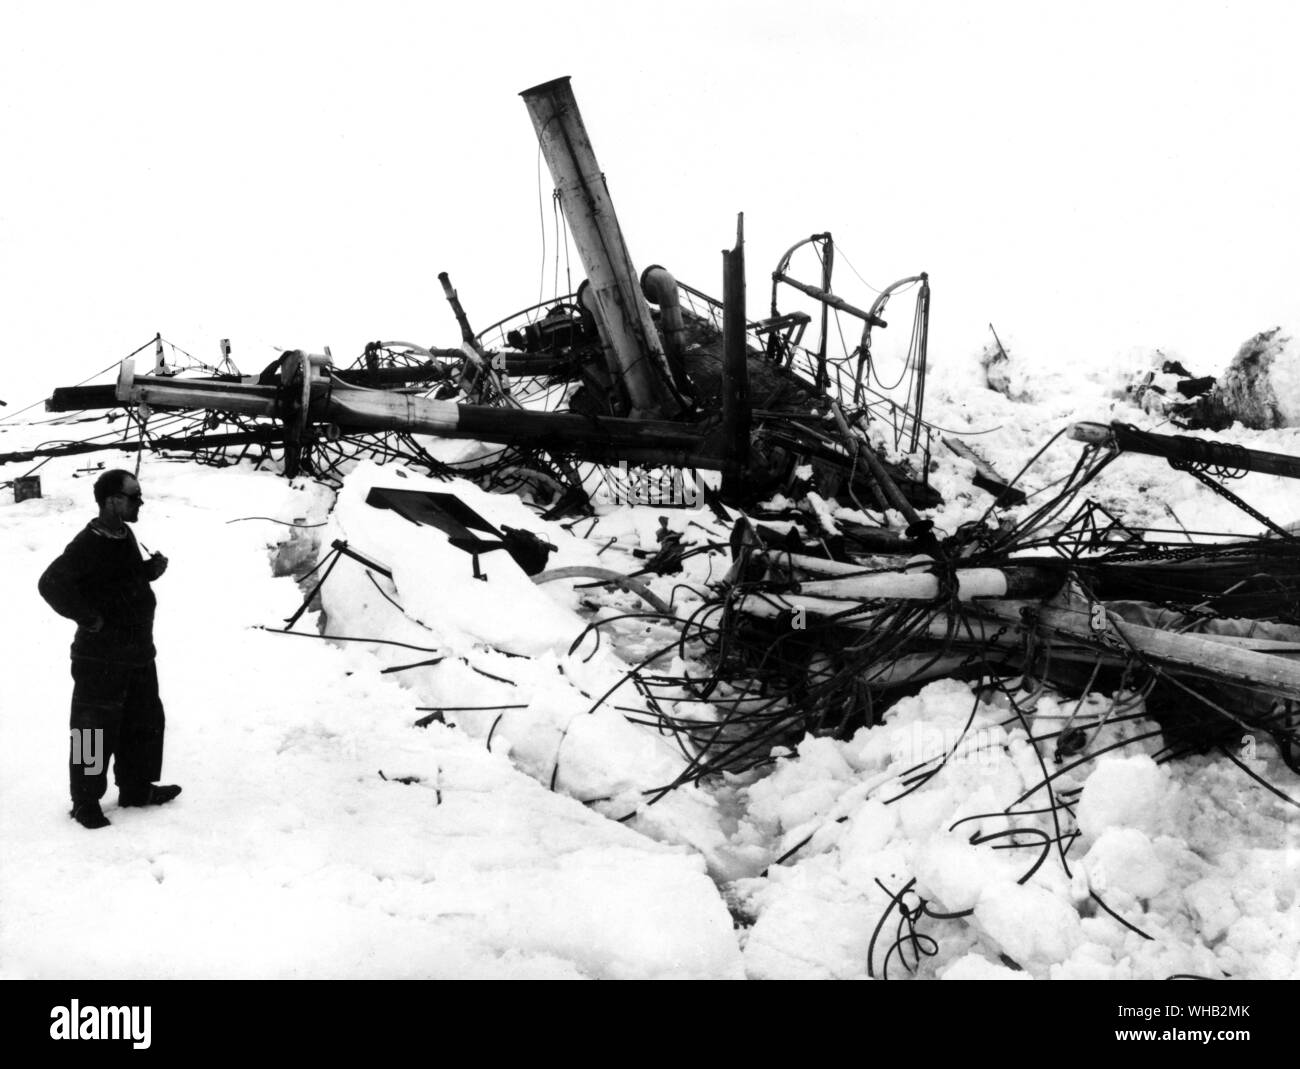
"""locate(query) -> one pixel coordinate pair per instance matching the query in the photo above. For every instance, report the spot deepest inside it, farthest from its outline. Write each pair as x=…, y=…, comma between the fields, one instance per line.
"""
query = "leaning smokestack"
x=590, y=214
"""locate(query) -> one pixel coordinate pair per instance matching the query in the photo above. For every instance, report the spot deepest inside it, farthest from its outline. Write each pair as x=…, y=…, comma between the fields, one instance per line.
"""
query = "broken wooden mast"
x=309, y=394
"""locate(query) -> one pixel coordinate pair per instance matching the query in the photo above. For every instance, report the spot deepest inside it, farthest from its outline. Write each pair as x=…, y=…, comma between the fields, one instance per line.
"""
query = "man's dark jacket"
x=98, y=575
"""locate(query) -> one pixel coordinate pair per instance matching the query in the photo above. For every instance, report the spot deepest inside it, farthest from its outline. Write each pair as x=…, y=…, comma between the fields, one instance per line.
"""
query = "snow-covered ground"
x=321, y=834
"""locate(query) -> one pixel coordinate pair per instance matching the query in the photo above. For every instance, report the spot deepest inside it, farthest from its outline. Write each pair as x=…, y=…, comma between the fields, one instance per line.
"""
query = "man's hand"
x=155, y=566
x=96, y=624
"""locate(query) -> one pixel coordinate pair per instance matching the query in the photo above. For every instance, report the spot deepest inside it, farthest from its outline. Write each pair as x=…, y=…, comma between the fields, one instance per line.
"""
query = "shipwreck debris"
x=1205, y=633
x=597, y=377
x=822, y=622
x=986, y=478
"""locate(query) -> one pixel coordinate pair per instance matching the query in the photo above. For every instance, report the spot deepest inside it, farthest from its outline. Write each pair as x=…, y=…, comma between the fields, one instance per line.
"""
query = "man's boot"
x=89, y=815
x=148, y=794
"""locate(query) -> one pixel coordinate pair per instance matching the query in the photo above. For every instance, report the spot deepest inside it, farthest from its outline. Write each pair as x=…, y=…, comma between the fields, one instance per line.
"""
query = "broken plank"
x=986, y=476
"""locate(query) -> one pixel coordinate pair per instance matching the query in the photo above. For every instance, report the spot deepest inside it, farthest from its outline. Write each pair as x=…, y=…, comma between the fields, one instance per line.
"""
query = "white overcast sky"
x=1089, y=177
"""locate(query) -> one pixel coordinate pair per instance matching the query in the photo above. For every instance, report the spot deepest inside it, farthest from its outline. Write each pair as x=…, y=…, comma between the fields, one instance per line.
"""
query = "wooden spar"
x=857, y=447
x=587, y=206
x=736, y=422
x=922, y=338
x=986, y=478
x=605, y=438
x=916, y=584
x=453, y=299
x=877, y=541
x=829, y=299
x=825, y=566
x=81, y=398
x=1186, y=449
x=983, y=625
x=1277, y=675
x=1076, y=623
x=478, y=370
x=193, y=393
x=86, y=398
x=868, y=453
x=1260, y=664
x=1012, y=580
x=828, y=262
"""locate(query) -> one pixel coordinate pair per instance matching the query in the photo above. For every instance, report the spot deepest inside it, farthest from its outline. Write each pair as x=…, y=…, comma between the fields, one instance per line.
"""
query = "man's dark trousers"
x=122, y=702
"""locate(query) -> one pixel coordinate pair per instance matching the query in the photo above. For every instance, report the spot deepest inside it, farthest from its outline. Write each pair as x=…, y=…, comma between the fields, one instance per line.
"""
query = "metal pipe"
x=660, y=287
x=784, y=262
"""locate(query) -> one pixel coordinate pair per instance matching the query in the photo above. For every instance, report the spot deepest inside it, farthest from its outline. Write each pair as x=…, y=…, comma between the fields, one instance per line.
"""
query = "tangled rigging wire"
x=767, y=682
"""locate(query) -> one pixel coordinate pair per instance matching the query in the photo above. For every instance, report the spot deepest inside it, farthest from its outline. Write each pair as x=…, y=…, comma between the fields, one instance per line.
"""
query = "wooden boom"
x=1185, y=449
x=306, y=397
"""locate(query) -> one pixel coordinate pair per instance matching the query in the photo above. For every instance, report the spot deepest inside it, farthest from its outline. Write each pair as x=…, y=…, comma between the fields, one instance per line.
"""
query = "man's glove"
x=155, y=566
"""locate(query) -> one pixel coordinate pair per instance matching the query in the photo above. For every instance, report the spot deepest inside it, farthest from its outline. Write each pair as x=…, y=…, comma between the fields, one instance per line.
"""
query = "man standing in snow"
x=102, y=583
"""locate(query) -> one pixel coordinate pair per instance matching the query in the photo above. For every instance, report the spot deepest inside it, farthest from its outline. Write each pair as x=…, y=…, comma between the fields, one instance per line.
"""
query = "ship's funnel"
x=615, y=288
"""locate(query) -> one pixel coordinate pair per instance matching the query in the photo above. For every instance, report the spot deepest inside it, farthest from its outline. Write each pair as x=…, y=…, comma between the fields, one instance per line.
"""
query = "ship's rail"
x=781, y=342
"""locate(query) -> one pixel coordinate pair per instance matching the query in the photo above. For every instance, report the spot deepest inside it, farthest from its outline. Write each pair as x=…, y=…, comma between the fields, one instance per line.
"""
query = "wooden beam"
x=1259, y=664
x=829, y=299
x=986, y=478
x=736, y=416
x=1186, y=448
x=247, y=400
x=605, y=438
x=867, y=452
